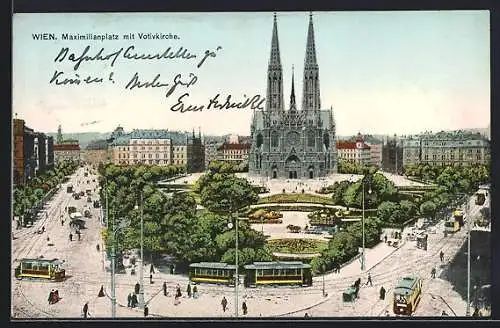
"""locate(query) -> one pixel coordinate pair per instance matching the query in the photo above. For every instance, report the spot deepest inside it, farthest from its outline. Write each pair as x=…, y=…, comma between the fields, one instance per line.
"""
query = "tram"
x=407, y=294
x=278, y=273
x=212, y=272
x=256, y=274
x=41, y=269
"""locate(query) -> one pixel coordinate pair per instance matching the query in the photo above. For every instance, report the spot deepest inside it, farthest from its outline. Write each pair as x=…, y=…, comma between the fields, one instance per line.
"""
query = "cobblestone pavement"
x=85, y=269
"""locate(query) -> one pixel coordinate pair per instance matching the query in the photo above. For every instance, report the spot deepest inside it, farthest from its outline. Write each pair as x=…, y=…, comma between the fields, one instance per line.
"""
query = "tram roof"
x=212, y=265
x=278, y=265
x=55, y=261
x=405, y=285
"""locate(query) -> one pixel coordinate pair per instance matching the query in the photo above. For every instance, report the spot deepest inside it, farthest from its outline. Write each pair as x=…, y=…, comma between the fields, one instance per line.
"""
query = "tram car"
x=40, y=269
x=278, y=273
x=256, y=274
x=212, y=272
x=407, y=294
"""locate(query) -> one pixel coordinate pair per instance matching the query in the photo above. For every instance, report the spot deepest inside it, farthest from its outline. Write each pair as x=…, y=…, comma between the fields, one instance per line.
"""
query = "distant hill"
x=83, y=138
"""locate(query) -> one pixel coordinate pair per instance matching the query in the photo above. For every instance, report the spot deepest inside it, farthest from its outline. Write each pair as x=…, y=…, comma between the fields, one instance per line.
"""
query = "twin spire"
x=311, y=95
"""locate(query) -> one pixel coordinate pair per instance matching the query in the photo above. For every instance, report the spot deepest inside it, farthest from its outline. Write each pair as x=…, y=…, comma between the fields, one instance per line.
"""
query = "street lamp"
x=141, y=273
x=237, y=280
x=122, y=224
x=467, y=312
x=363, y=181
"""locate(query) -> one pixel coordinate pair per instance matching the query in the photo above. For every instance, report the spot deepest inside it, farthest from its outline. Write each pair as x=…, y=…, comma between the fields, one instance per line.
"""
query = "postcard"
x=251, y=164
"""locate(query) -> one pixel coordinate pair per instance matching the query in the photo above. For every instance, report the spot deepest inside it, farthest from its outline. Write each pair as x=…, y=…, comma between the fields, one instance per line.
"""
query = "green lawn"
x=296, y=198
x=297, y=246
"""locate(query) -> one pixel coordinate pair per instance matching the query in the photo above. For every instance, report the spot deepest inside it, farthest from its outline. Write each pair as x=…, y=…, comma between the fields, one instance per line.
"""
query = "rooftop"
x=64, y=147
x=349, y=145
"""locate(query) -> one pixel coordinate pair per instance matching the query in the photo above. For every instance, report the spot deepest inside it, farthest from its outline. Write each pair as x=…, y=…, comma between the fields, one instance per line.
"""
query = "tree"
x=339, y=189
x=228, y=195
x=386, y=211
x=428, y=209
x=408, y=208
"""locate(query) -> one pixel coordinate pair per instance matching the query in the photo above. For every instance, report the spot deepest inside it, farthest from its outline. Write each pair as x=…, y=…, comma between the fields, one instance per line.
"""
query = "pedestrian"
x=150, y=278
x=164, y=288
x=136, y=288
x=369, y=281
x=306, y=315
x=129, y=300
x=51, y=296
x=97, y=247
x=338, y=267
x=444, y=314
x=86, y=310
x=244, y=307
x=70, y=236
x=79, y=236
x=382, y=293
x=178, y=291
x=55, y=297
x=433, y=273
x=101, y=292
x=134, y=301
x=223, y=303
x=387, y=313
x=195, y=291
x=43, y=229
x=146, y=311
x=476, y=313
x=151, y=269
x=385, y=239
x=188, y=290
x=441, y=256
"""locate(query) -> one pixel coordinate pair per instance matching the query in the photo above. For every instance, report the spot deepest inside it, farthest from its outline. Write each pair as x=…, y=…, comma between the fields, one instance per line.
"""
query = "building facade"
x=96, y=152
x=33, y=153
x=157, y=147
x=356, y=152
x=66, y=152
x=392, y=156
x=375, y=154
x=236, y=153
x=293, y=143
x=211, y=152
x=446, y=148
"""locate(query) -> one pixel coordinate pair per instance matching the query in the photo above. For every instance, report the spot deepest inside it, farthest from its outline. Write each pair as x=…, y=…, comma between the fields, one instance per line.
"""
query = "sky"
x=380, y=72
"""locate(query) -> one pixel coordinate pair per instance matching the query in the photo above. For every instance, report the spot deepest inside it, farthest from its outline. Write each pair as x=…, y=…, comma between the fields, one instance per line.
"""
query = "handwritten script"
x=112, y=58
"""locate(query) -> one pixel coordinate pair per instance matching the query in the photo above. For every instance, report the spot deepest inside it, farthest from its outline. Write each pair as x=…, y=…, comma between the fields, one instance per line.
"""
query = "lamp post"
x=122, y=224
x=141, y=273
x=237, y=280
x=363, y=222
x=469, y=218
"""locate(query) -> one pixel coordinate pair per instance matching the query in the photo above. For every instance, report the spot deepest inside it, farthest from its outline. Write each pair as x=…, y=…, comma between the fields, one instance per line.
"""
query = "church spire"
x=293, y=105
x=311, y=94
x=274, y=99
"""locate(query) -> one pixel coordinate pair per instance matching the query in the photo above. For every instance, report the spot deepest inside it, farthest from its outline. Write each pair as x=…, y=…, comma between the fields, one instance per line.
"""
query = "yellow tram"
x=40, y=269
x=407, y=294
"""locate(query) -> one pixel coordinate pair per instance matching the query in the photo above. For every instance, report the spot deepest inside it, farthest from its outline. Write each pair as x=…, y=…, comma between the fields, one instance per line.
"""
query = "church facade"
x=293, y=143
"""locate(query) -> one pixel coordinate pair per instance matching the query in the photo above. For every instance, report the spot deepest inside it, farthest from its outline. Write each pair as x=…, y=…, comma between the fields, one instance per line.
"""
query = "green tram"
x=212, y=272
x=256, y=274
x=278, y=273
x=40, y=269
x=407, y=294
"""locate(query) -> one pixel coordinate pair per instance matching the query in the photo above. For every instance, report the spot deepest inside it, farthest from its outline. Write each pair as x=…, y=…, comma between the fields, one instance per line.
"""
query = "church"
x=293, y=143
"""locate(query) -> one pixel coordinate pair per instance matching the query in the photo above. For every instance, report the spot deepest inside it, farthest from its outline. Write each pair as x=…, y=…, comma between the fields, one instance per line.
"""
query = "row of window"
x=260, y=273
x=151, y=162
x=151, y=142
x=452, y=157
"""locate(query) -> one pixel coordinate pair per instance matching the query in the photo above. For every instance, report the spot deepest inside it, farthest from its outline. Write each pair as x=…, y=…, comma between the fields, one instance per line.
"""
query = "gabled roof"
x=235, y=146
x=341, y=144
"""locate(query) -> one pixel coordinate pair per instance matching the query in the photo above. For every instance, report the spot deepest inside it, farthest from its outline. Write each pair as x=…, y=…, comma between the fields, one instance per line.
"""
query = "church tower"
x=293, y=104
x=274, y=98
x=59, y=139
x=311, y=96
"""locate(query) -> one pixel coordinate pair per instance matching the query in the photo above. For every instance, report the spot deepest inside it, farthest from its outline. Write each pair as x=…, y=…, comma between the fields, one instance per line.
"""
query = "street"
x=85, y=275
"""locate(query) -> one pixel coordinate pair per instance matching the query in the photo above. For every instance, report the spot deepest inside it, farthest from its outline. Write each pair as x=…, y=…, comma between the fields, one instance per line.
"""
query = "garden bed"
x=297, y=246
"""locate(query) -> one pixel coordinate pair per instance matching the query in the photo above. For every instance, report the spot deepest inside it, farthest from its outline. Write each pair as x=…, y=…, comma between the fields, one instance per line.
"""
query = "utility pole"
x=469, y=218
x=113, y=291
x=141, y=275
x=237, y=282
x=363, y=225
